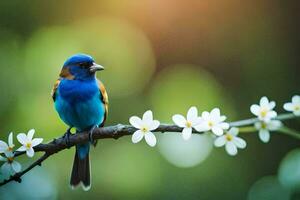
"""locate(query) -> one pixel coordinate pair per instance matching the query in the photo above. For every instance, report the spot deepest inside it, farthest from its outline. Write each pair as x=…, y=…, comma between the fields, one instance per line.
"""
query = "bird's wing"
x=53, y=93
x=104, y=99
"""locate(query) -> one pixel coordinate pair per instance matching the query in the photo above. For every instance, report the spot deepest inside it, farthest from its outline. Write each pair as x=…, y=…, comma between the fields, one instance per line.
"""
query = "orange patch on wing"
x=104, y=97
x=65, y=73
x=55, y=88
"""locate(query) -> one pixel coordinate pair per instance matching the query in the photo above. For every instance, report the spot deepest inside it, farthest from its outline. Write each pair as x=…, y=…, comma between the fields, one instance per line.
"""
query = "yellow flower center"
x=210, y=124
x=10, y=149
x=144, y=129
x=10, y=159
x=28, y=145
x=228, y=137
x=263, y=125
x=188, y=124
x=297, y=107
x=264, y=112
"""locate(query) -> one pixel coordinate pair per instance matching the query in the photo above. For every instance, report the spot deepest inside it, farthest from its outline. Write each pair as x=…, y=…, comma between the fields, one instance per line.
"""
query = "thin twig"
x=251, y=121
x=290, y=132
x=17, y=177
x=114, y=132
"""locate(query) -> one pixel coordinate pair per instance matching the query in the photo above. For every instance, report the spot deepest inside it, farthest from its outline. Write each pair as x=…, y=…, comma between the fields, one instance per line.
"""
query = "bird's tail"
x=81, y=168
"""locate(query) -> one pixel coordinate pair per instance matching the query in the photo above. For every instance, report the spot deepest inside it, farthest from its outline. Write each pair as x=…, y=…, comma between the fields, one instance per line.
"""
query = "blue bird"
x=81, y=102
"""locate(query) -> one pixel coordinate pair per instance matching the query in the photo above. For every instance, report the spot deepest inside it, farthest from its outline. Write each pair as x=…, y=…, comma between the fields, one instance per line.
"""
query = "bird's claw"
x=67, y=137
x=92, y=141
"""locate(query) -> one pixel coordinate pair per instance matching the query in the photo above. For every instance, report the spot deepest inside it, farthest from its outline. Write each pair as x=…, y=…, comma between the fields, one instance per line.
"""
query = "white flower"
x=191, y=121
x=145, y=126
x=213, y=121
x=10, y=167
x=264, y=111
x=264, y=129
x=28, y=142
x=7, y=147
x=293, y=106
x=231, y=141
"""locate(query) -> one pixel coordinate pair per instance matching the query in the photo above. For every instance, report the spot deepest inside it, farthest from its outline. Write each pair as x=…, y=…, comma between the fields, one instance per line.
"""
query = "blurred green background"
x=165, y=56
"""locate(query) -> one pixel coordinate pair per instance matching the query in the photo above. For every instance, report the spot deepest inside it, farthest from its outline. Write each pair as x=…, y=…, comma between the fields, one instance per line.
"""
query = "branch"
x=17, y=176
x=112, y=132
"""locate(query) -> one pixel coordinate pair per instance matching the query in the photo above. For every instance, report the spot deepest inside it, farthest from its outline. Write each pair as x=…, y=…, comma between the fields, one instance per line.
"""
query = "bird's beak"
x=95, y=67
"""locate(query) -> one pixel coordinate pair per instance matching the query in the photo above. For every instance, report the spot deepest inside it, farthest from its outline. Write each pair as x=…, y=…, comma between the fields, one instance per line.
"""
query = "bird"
x=81, y=102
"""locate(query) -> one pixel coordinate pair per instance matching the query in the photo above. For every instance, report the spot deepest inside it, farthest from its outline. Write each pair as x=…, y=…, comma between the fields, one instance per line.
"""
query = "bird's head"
x=80, y=67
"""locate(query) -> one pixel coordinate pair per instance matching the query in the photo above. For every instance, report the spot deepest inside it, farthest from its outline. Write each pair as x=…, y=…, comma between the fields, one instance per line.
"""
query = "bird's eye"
x=84, y=65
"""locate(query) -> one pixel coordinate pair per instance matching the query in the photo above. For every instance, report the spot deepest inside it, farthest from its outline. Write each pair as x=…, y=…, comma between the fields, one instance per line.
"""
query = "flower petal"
x=137, y=136
x=203, y=127
x=192, y=114
x=255, y=109
x=297, y=113
x=30, y=152
x=215, y=113
x=3, y=159
x=196, y=121
x=272, y=105
x=3, y=146
x=205, y=115
x=154, y=125
x=231, y=148
x=22, y=148
x=272, y=114
x=217, y=130
x=36, y=141
x=16, y=166
x=22, y=138
x=239, y=142
x=264, y=102
x=135, y=121
x=224, y=125
x=264, y=135
x=148, y=116
x=9, y=154
x=288, y=107
x=264, y=119
x=10, y=140
x=179, y=120
x=222, y=118
x=6, y=169
x=258, y=125
x=30, y=134
x=296, y=99
x=186, y=133
x=234, y=131
x=220, y=141
x=274, y=125
x=150, y=139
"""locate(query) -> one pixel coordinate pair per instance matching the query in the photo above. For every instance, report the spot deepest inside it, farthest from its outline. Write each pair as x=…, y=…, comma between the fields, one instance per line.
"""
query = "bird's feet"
x=67, y=136
x=91, y=139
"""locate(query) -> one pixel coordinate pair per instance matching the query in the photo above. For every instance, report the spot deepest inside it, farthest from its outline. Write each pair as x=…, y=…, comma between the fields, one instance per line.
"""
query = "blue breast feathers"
x=79, y=104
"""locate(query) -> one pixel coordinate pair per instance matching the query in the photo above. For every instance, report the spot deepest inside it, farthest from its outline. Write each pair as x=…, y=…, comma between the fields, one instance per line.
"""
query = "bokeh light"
x=268, y=188
x=183, y=153
x=289, y=171
x=167, y=98
x=38, y=184
x=181, y=86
